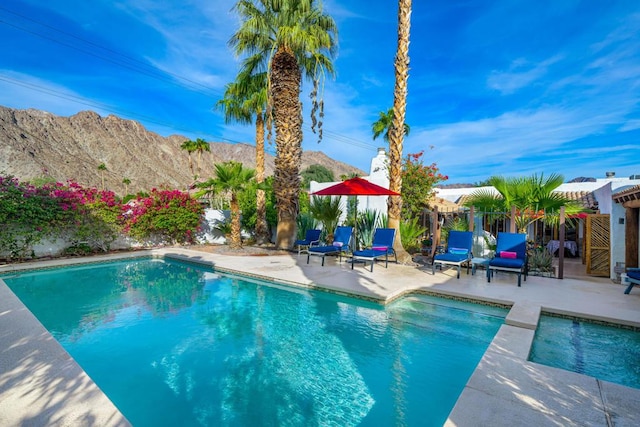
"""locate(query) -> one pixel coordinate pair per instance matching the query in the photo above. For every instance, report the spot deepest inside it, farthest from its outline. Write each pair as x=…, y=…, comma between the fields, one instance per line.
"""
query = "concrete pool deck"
x=41, y=385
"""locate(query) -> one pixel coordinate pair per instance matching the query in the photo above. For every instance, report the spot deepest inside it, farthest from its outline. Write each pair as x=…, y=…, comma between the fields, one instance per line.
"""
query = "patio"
x=505, y=389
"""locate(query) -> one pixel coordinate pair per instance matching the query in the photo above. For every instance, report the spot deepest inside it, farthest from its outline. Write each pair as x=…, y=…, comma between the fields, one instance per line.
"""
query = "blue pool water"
x=172, y=344
x=602, y=351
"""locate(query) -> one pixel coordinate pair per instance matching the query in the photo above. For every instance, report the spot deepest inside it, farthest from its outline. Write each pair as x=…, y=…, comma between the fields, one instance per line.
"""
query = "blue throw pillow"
x=458, y=251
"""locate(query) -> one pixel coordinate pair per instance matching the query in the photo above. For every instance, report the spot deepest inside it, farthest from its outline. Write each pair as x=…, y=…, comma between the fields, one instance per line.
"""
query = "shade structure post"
x=561, y=243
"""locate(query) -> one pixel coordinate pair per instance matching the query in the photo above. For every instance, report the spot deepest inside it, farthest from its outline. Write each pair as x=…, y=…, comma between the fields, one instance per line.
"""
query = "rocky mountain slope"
x=35, y=144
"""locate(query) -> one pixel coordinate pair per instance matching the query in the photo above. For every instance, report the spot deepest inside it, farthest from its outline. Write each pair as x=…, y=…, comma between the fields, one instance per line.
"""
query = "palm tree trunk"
x=287, y=112
x=262, y=228
x=396, y=134
x=235, y=238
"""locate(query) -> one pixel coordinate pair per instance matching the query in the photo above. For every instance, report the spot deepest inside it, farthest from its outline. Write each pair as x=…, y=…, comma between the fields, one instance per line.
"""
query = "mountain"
x=36, y=144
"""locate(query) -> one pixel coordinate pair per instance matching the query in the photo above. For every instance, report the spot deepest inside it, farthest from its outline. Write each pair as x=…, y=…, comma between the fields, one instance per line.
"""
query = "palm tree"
x=533, y=197
x=189, y=147
x=397, y=131
x=102, y=167
x=231, y=177
x=243, y=98
x=285, y=38
x=326, y=209
x=126, y=182
x=200, y=145
x=383, y=125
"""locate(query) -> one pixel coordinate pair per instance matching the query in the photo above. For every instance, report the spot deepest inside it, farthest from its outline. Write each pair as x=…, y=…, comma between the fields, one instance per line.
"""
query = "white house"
x=378, y=174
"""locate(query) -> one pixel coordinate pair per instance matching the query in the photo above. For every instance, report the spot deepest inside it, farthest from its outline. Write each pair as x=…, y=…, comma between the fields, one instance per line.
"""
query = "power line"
x=138, y=66
x=133, y=67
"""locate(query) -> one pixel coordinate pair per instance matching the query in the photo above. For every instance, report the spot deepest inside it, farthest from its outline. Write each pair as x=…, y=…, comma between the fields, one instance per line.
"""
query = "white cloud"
x=521, y=73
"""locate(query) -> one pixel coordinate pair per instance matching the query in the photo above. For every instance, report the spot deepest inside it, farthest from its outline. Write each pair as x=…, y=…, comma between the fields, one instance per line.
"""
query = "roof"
x=585, y=199
x=632, y=193
x=443, y=204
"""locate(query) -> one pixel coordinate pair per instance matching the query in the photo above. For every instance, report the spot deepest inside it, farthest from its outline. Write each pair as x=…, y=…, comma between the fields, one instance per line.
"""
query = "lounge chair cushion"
x=325, y=249
x=634, y=274
x=514, y=263
x=369, y=253
x=508, y=254
x=449, y=257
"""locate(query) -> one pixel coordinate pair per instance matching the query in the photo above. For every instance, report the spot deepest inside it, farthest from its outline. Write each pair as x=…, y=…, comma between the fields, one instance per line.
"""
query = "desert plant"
x=367, y=223
x=326, y=209
x=541, y=260
x=411, y=233
x=306, y=221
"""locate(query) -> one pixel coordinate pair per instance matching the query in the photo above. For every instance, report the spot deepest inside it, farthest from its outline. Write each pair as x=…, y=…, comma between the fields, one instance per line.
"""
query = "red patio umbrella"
x=355, y=187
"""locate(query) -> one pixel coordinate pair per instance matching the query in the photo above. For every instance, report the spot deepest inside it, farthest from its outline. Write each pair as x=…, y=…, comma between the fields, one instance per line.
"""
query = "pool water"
x=602, y=351
x=173, y=343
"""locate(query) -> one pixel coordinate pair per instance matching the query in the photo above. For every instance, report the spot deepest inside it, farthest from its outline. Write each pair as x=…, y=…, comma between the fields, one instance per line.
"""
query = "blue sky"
x=496, y=87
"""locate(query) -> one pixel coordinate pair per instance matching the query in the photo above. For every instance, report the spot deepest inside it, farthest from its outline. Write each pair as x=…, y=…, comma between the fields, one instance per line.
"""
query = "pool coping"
x=504, y=390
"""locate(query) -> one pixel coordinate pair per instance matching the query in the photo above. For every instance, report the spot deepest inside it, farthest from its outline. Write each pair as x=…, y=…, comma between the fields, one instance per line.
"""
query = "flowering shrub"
x=170, y=214
x=92, y=215
x=89, y=218
x=27, y=215
x=418, y=181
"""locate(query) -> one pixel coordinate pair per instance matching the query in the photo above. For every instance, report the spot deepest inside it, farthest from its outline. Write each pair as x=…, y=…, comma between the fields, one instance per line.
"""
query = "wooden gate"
x=597, y=245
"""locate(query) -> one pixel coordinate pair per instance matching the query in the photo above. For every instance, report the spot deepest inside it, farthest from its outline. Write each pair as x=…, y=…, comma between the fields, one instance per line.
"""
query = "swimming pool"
x=173, y=343
x=602, y=351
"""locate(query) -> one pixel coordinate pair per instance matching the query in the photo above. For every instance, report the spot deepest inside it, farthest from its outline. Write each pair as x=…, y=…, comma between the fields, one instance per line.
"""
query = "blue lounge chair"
x=459, y=244
x=511, y=255
x=633, y=274
x=341, y=242
x=311, y=238
x=382, y=246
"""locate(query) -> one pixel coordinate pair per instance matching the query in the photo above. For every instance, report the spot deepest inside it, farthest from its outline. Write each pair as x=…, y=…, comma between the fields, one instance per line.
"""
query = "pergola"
x=630, y=200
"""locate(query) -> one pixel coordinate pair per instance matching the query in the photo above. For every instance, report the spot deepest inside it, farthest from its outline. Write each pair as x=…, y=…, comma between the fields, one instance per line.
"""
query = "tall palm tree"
x=286, y=38
x=245, y=97
x=533, y=197
x=200, y=146
x=102, y=167
x=383, y=125
x=396, y=133
x=231, y=177
x=189, y=147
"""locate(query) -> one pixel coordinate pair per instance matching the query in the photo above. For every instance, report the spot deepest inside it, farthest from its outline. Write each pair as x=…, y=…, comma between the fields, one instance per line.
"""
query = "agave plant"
x=411, y=234
x=541, y=260
x=306, y=221
x=366, y=225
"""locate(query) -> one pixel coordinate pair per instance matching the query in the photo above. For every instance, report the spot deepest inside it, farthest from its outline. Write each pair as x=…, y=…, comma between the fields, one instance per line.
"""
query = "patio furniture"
x=311, y=238
x=458, y=251
x=341, y=242
x=633, y=275
x=382, y=246
x=570, y=245
x=511, y=255
x=475, y=262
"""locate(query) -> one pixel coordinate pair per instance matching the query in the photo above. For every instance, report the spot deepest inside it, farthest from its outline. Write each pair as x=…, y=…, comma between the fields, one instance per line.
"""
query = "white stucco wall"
x=208, y=234
x=378, y=174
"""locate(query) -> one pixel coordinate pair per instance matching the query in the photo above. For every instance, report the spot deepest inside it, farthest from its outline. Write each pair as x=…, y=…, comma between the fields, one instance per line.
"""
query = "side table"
x=479, y=261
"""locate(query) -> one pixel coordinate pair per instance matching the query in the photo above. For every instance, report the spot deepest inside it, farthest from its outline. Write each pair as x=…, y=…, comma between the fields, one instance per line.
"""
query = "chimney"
x=610, y=174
